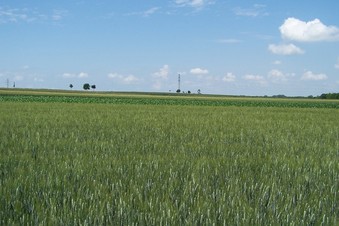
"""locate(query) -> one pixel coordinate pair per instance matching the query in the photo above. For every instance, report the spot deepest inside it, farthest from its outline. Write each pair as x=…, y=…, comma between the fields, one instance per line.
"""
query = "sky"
x=229, y=47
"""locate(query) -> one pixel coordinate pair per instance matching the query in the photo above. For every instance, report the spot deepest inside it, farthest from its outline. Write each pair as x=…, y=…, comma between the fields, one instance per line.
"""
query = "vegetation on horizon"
x=329, y=96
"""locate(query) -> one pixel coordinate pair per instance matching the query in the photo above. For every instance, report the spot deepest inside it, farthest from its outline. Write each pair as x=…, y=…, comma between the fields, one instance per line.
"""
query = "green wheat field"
x=77, y=158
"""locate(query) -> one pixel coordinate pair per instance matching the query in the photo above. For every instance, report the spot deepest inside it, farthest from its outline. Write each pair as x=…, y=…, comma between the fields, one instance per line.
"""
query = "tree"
x=71, y=86
x=87, y=86
x=189, y=92
x=199, y=91
x=329, y=96
x=93, y=86
x=178, y=90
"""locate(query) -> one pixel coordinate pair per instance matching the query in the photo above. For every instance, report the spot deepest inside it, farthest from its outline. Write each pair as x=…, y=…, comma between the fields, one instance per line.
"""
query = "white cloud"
x=193, y=3
x=115, y=75
x=82, y=75
x=160, y=76
x=229, y=77
x=309, y=75
x=145, y=13
x=14, y=15
x=285, y=49
x=297, y=30
x=151, y=11
x=163, y=72
x=256, y=10
x=68, y=75
x=198, y=71
x=337, y=64
x=36, y=79
x=256, y=78
x=18, y=78
x=229, y=41
x=277, y=62
x=126, y=79
x=278, y=76
x=28, y=15
x=59, y=14
x=72, y=75
x=130, y=79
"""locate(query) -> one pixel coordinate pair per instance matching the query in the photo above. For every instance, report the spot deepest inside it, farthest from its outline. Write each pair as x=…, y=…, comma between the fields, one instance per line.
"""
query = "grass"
x=147, y=164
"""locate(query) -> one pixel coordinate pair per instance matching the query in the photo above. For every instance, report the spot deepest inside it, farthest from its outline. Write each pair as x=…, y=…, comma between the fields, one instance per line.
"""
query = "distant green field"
x=49, y=96
x=135, y=159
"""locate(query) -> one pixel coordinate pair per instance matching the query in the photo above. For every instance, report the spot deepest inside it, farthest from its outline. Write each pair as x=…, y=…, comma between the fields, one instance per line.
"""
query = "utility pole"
x=178, y=81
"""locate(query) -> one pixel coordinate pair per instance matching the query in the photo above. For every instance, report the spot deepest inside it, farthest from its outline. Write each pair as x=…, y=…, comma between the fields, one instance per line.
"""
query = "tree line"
x=329, y=96
x=86, y=86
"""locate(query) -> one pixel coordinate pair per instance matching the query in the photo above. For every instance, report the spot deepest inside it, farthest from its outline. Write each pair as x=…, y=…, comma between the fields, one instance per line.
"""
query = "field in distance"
x=122, y=159
x=26, y=95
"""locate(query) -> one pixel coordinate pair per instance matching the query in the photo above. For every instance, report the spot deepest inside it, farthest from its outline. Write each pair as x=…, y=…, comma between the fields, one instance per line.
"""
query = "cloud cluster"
x=125, y=79
x=285, y=49
x=311, y=31
x=309, y=75
x=337, y=64
x=198, y=71
x=26, y=15
x=277, y=62
x=58, y=14
x=256, y=10
x=160, y=77
x=229, y=77
x=162, y=73
x=73, y=75
x=297, y=30
x=14, y=15
x=229, y=41
x=145, y=13
x=277, y=76
x=256, y=78
x=22, y=76
x=193, y=3
x=37, y=79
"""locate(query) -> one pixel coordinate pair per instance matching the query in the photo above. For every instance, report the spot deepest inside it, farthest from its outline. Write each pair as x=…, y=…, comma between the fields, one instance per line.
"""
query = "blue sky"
x=218, y=46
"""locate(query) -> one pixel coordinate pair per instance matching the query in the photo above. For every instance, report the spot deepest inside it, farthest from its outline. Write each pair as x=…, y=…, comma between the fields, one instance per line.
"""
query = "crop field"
x=73, y=159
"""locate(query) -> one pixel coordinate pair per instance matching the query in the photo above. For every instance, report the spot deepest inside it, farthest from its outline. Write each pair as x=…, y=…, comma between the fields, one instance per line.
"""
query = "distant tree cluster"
x=279, y=96
x=87, y=86
x=181, y=91
x=329, y=96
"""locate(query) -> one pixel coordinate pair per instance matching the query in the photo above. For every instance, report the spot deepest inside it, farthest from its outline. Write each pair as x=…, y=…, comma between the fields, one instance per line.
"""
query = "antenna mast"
x=178, y=81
